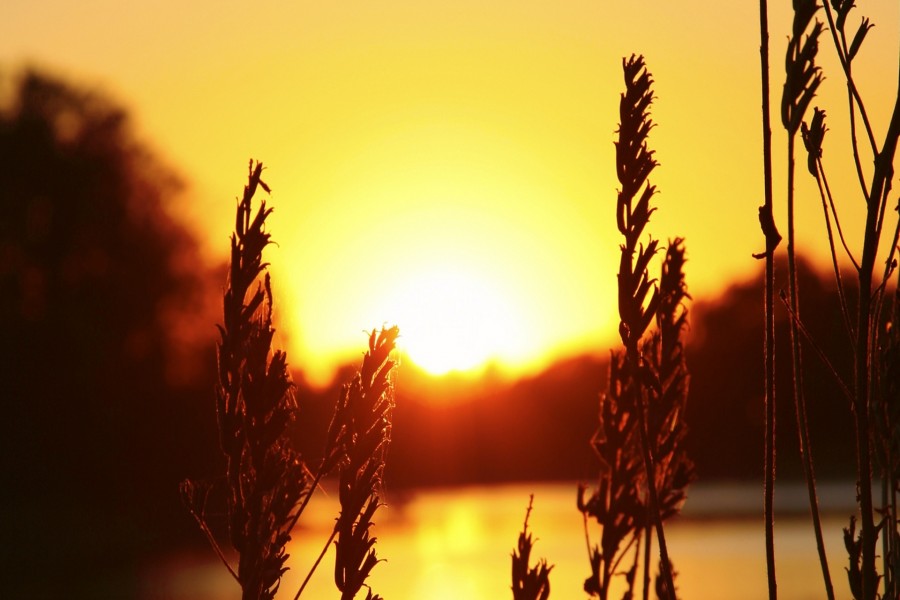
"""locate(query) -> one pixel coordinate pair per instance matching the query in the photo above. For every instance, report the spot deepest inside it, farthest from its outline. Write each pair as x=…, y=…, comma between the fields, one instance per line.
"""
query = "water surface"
x=456, y=543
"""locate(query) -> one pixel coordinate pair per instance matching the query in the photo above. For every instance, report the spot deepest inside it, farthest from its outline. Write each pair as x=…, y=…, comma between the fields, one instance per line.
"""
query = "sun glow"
x=452, y=320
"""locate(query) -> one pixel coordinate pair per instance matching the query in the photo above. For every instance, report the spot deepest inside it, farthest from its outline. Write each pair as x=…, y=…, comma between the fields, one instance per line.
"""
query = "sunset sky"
x=449, y=166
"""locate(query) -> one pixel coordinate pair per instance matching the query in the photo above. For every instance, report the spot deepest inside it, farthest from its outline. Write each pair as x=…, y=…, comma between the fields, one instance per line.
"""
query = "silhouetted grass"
x=640, y=439
x=644, y=469
x=529, y=583
x=873, y=395
x=358, y=438
x=265, y=476
x=268, y=484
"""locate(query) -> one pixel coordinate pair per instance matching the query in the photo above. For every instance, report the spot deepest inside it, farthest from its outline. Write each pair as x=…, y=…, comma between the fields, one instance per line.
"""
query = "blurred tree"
x=725, y=412
x=106, y=359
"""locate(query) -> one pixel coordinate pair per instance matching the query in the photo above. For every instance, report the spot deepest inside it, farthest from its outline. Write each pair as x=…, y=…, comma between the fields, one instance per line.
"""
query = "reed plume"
x=616, y=503
x=664, y=353
x=357, y=442
x=268, y=482
x=265, y=476
x=529, y=583
x=871, y=397
x=363, y=425
x=644, y=468
x=802, y=80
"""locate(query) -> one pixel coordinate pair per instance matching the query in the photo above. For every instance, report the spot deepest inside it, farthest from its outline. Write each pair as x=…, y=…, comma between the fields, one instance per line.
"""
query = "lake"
x=456, y=543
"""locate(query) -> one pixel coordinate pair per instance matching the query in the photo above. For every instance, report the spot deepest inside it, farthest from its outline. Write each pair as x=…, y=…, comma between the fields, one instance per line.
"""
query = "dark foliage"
x=493, y=431
x=100, y=363
x=725, y=412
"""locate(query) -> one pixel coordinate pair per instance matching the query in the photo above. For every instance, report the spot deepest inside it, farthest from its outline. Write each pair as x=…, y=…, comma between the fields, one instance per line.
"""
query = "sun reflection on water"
x=456, y=543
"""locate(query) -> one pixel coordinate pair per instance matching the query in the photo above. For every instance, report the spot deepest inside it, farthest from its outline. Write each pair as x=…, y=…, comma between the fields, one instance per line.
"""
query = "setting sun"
x=453, y=320
x=498, y=273
x=479, y=134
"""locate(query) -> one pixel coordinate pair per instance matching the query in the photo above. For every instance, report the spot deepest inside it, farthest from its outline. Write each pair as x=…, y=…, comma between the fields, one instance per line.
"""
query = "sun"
x=456, y=320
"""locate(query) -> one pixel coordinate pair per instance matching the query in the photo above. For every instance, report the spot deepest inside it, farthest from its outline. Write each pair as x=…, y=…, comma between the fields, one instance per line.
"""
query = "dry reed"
x=772, y=239
x=529, y=583
x=363, y=425
x=873, y=396
x=644, y=468
x=267, y=482
x=265, y=476
x=803, y=78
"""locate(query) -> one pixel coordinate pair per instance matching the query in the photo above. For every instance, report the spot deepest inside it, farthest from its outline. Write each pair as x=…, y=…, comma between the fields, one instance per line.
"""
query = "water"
x=456, y=543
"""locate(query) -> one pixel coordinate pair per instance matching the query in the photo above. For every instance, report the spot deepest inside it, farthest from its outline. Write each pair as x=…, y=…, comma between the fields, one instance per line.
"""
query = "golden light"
x=476, y=138
x=443, y=228
x=456, y=320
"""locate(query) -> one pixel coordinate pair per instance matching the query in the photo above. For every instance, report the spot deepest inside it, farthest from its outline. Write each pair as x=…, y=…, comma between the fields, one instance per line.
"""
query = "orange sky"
x=448, y=166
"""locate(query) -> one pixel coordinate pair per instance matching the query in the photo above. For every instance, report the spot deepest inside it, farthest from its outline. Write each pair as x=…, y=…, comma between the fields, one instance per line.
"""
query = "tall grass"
x=640, y=439
x=529, y=583
x=772, y=240
x=644, y=469
x=870, y=324
x=267, y=482
x=801, y=83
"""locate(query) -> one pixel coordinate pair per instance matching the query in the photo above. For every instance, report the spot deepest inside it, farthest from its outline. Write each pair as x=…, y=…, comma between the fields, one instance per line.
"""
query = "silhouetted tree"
x=100, y=287
x=724, y=354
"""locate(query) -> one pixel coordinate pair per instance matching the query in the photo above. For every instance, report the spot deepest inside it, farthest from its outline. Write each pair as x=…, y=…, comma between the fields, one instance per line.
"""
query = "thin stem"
x=647, y=547
x=636, y=542
x=857, y=162
x=306, y=498
x=889, y=483
x=650, y=470
x=886, y=538
x=797, y=363
x=880, y=180
x=318, y=561
x=819, y=352
x=882, y=207
x=824, y=190
x=888, y=263
x=587, y=534
x=841, y=49
x=212, y=541
x=834, y=212
x=861, y=412
x=771, y=243
x=893, y=523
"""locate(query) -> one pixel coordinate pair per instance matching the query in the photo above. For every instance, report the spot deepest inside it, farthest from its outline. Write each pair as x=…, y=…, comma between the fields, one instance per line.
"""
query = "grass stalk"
x=363, y=423
x=802, y=81
x=868, y=392
x=638, y=299
x=866, y=332
x=529, y=583
x=805, y=444
x=640, y=440
x=881, y=181
x=358, y=437
x=813, y=136
x=268, y=484
x=265, y=475
x=772, y=239
x=845, y=57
